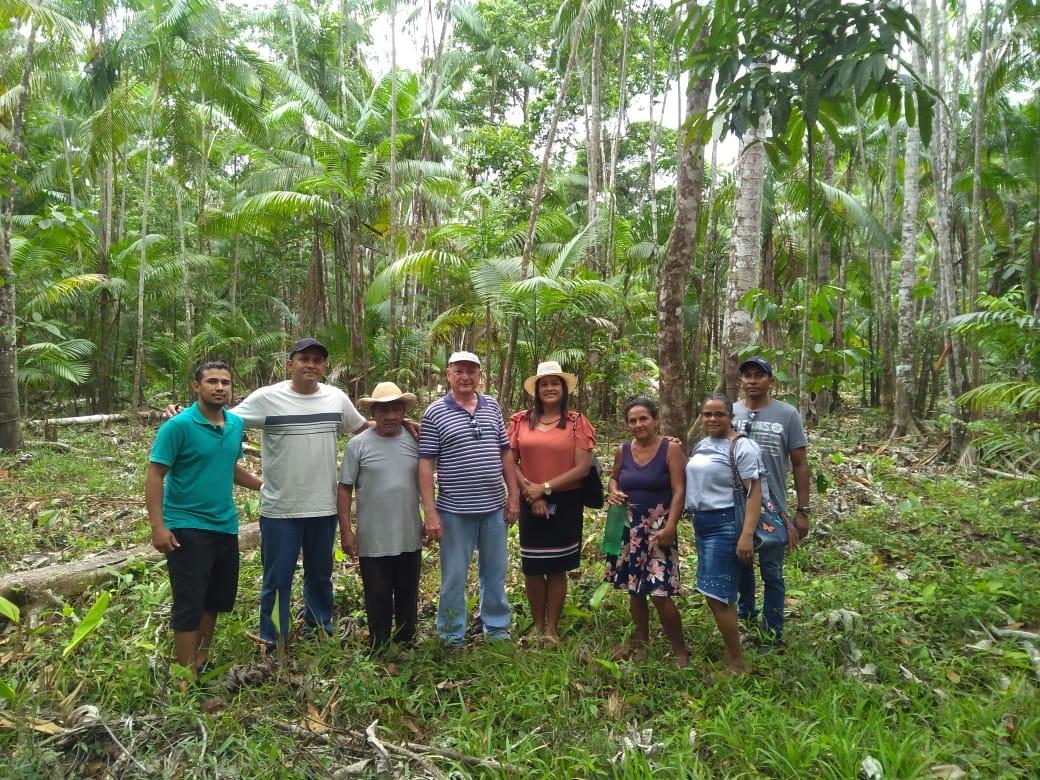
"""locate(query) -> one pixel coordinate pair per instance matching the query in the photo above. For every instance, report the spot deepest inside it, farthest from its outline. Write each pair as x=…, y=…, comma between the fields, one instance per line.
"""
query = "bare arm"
x=614, y=494
x=163, y=539
x=344, y=501
x=432, y=520
x=512, y=487
x=665, y=537
x=752, y=511
x=246, y=479
x=800, y=467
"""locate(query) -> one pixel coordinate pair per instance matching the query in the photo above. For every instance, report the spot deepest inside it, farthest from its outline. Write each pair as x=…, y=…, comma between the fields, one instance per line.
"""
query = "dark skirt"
x=552, y=545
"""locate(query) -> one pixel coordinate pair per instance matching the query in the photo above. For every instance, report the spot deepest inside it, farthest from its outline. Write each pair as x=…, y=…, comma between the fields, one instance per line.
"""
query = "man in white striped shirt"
x=463, y=439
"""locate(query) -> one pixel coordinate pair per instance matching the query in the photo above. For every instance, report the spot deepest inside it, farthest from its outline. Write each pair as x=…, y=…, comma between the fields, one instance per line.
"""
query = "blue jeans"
x=281, y=539
x=461, y=534
x=771, y=564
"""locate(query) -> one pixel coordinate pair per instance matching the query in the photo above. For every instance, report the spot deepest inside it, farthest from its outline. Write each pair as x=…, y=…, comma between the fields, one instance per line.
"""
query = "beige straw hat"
x=386, y=392
x=550, y=368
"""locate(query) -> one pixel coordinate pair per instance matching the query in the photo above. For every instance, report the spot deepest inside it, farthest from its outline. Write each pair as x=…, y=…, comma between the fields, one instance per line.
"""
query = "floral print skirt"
x=643, y=568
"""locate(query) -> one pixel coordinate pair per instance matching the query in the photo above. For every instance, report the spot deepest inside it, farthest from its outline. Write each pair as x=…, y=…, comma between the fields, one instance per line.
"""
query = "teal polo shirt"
x=201, y=457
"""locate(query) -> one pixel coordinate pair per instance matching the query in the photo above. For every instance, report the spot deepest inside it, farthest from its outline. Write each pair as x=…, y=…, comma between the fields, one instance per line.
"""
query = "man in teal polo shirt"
x=194, y=520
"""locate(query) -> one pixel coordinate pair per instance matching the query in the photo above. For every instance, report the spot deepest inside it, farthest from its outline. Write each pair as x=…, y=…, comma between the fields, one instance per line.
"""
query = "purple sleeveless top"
x=649, y=485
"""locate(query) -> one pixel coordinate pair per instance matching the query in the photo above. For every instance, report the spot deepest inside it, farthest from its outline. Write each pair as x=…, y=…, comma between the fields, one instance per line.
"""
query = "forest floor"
x=896, y=665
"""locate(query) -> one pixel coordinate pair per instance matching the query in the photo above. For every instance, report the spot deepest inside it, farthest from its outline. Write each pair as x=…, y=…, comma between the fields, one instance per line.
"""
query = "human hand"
x=540, y=508
x=348, y=541
x=172, y=410
x=746, y=548
x=512, y=510
x=801, y=524
x=532, y=491
x=665, y=537
x=164, y=541
x=431, y=527
x=615, y=496
x=414, y=428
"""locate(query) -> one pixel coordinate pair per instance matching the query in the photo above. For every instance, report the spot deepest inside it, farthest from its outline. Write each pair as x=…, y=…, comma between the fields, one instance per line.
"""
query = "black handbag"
x=592, y=485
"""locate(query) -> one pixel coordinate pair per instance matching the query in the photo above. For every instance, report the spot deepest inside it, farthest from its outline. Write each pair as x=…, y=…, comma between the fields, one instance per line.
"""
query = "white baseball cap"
x=463, y=357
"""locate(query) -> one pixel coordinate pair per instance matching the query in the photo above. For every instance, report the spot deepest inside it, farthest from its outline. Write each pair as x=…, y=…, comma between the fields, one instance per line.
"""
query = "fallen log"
x=75, y=577
x=150, y=415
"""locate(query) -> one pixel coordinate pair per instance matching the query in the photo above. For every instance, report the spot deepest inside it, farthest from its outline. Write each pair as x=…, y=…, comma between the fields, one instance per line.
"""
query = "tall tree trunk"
x=976, y=183
x=883, y=282
x=505, y=390
x=675, y=268
x=392, y=204
x=594, y=144
x=822, y=399
x=233, y=280
x=189, y=314
x=942, y=182
x=745, y=266
x=137, y=397
x=105, y=301
x=10, y=423
x=903, y=415
x=608, y=265
x=314, y=308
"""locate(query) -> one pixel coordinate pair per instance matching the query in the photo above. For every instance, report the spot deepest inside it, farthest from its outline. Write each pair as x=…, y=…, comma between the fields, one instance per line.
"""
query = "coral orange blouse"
x=547, y=454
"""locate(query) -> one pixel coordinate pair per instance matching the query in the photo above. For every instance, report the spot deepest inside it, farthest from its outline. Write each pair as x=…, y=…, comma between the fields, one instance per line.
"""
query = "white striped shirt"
x=468, y=450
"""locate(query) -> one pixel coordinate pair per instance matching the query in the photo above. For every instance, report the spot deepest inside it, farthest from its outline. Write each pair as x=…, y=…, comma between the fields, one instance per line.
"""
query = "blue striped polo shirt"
x=468, y=450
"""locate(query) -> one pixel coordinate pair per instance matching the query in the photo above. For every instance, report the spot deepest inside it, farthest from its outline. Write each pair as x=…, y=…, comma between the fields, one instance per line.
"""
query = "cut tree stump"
x=75, y=577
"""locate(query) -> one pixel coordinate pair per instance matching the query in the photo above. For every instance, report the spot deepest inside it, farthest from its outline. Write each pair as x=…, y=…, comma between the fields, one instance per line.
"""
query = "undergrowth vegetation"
x=895, y=658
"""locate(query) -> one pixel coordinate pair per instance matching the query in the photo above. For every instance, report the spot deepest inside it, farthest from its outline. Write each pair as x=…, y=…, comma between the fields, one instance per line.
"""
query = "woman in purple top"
x=649, y=477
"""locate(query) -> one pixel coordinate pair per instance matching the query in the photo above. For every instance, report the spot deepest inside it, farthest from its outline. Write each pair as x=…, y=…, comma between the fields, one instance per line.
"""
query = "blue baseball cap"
x=758, y=361
x=307, y=343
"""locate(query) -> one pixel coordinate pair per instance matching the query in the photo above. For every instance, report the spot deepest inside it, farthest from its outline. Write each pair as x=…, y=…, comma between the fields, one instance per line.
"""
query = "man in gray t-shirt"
x=380, y=468
x=777, y=428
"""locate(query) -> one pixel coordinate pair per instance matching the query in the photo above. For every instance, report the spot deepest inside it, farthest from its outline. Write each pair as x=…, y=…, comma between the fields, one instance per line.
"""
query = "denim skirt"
x=718, y=569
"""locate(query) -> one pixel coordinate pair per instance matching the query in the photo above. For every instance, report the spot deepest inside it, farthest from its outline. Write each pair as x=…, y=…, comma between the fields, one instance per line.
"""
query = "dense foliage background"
x=192, y=179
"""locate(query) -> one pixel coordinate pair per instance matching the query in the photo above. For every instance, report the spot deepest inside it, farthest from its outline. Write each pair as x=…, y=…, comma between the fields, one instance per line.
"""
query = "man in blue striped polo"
x=464, y=439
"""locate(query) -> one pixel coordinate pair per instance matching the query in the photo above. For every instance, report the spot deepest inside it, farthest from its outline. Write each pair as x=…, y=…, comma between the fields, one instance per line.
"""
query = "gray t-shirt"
x=709, y=478
x=777, y=429
x=298, y=446
x=383, y=470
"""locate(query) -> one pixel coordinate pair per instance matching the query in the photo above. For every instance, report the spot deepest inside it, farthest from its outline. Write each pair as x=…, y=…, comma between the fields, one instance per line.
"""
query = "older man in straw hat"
x=381, y=467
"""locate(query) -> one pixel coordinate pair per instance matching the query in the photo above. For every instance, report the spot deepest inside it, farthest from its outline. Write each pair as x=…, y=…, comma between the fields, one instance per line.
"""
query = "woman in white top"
x=724, y=495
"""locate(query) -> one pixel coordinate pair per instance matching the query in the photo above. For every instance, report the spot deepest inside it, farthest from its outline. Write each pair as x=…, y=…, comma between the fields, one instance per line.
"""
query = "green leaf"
x=601, y=592
x=894, y=101
x=10, y=610
x=7, y=692
x=909, y=108
x=823, y=482
x=880, y=105
x=924, y=116
x=89, y=624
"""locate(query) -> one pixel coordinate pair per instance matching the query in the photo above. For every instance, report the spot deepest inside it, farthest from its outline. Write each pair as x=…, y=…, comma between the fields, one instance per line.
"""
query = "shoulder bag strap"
x=737, y=483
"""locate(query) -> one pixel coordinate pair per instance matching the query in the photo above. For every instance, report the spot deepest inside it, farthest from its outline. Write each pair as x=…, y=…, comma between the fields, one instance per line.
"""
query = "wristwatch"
x=803, y=509
x=547, y=488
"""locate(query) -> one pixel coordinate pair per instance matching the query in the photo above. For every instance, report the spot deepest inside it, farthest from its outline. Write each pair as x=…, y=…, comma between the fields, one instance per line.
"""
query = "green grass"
x=936, y=560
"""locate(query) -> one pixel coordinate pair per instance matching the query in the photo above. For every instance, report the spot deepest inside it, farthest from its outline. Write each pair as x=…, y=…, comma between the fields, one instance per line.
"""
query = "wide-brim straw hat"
x=550, y=368
x=385, y=393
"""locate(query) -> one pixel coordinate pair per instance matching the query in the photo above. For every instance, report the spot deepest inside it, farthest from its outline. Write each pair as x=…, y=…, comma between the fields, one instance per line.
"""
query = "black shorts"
x=203, y=575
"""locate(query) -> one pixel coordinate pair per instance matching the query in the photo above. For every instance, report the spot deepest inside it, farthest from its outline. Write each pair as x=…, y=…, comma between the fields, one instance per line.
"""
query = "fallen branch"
x=1012, y=633
x=931, y=458
x=1034, y=656
x=483, y=763
x=150, y=415
x=57, y=446
x=75, y=577
x=1005, y=474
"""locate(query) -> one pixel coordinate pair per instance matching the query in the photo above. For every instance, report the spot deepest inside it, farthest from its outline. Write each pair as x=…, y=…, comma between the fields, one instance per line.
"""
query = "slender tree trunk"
x=105, y=301
x=536, y=201
x=594, y=144
x=189, y=314
x=745, y=266
x=903, y=417
x=392, y=205
x=233, y=280
x=10, y=424
x=612, y=173
x=675, y=268
x=942, y=182
x=137, y=398
x=883, y=282
x=822, y=399
x=976, y=184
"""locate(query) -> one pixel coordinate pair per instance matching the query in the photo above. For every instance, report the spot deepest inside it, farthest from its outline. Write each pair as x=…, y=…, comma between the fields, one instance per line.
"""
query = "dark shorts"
x=203, y=576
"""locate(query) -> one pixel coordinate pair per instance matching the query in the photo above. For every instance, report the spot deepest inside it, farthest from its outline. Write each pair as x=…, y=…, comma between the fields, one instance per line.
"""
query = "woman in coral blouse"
x=553, y=447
